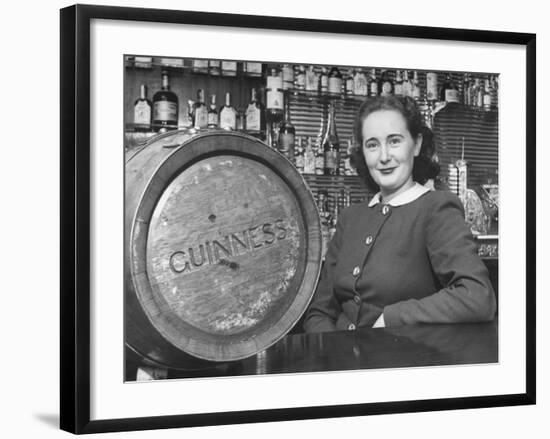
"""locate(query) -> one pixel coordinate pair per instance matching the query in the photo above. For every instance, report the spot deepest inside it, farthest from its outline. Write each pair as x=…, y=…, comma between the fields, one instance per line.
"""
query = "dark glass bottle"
x=287, y=134
x=165, y=106
x=255, y=117
x=331, y=145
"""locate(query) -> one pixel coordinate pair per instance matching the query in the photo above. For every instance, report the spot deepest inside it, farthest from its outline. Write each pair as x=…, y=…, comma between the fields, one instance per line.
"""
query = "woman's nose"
x=384, y=154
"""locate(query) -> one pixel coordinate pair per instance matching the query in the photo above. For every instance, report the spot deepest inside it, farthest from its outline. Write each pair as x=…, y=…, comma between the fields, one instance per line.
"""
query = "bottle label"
x=286, y=142
x=275, y=99
x=324, y=82
x=311, y=81
x=165, y=111
x=301, y=80
x=319, y=164
x=431, y=86
x=212, y=119
x=386, y=88
x=274, y=82
x=201, y=117
x=331, y=159
x=288, y=77
x=142, y=113
x=309, y=162
x=360, y=85
x=300, y=162
x=487, y=101
x=399, y=89
x=373, y=88
x=200, y=64
x=334, y=85
x=416, y=92
x=228, y=119
x=452, y=95
x=253, y=118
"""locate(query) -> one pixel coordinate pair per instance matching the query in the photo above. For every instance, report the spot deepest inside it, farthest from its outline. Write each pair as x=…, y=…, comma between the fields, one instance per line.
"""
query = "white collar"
x=409, y=195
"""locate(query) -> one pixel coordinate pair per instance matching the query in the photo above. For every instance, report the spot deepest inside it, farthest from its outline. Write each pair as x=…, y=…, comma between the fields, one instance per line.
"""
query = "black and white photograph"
x=262, y=213
x=292, y=218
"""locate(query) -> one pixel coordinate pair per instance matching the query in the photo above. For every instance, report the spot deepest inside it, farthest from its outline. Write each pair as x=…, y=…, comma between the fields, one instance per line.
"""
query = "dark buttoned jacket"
x=415, y=263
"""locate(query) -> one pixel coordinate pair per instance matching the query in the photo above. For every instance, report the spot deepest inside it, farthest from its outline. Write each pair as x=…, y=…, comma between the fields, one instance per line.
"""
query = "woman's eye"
x=371, y=145
x=395, y=141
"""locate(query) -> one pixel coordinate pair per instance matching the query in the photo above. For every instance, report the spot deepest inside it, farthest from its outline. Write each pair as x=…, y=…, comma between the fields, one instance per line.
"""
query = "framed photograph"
x=260, y=212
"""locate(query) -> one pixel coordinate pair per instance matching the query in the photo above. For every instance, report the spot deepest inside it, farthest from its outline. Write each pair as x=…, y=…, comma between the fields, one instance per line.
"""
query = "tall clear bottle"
x=165, y=106
x=331, y=145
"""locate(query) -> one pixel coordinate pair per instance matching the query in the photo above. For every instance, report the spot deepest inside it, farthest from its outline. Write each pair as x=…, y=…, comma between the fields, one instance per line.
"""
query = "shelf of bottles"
x=307, y=112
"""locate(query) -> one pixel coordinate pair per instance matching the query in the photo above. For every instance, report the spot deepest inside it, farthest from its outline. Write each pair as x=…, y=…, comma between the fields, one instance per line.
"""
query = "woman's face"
x=389, y=151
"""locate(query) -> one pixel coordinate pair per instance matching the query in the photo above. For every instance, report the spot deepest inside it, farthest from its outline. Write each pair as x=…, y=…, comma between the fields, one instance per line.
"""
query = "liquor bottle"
x=200, y=112
x=299, y=155
x=323, y=81
x=335, y=81
x=165, y=106
x=374, y=88
x=349, y=83
x=255, y=117
x=480, y=93
x=331, y=145
x=287, y=135
x=253, y=69
x=288, y=76
x=312, y=80
x=309, y=157
x=214, y=67
x=449, y=91
x=431, y=86
x=142, y=111
x=200, y=66
x=466, y=89
x=407, y=84
x=398, y=88
x=300, y=78
x=487, y=96
x=212, y=115
x=319, y=159
x=228, y=115
x=229, y=68
x=348, y=169
x=188, y=119
x=386, y=84
x=360, y=85
x=416, y=93
x=274, y=96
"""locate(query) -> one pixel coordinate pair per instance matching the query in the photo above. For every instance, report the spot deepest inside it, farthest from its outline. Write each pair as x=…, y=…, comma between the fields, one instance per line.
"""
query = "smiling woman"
x=408, y=255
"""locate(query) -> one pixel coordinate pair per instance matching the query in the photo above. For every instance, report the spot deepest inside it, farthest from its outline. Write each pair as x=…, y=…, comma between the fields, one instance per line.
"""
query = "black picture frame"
x=75, y=217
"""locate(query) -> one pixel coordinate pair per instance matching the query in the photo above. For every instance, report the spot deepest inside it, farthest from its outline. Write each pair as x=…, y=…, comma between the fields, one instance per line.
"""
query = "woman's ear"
x=418, y=145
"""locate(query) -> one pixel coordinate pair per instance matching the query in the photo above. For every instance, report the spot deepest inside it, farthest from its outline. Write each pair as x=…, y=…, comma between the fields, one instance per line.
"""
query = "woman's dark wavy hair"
x=425, y=165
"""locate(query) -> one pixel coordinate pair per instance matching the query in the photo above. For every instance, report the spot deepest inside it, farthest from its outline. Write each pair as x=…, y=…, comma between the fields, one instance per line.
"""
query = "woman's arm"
x=467, y=294
x=324, y=309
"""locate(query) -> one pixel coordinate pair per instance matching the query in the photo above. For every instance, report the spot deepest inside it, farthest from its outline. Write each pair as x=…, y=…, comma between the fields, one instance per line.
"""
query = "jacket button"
x=351, y=327
x=357, y=299
x=356, y=271
x=368, y=241
x=385, y=210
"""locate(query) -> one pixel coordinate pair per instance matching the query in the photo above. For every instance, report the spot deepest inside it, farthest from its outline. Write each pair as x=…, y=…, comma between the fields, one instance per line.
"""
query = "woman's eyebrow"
x=395, y=135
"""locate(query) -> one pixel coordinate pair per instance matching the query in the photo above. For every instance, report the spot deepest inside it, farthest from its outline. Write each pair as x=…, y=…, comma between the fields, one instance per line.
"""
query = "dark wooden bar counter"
x=404, y=346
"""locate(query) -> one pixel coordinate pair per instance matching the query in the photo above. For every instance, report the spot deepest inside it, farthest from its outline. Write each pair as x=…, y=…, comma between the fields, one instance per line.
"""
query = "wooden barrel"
x=223, y=247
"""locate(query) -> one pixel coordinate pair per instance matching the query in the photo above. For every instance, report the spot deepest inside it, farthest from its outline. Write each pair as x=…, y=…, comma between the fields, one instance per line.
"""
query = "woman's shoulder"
x=435, y=199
